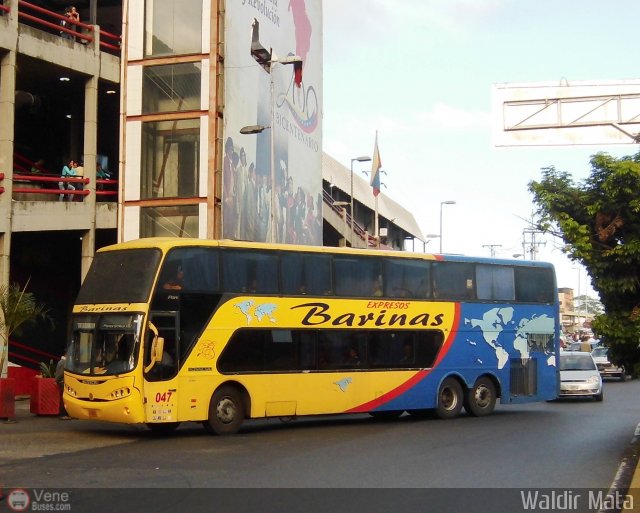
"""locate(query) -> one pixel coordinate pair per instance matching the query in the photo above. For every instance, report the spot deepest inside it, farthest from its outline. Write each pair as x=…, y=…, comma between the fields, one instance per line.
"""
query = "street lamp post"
x=448, y=202
x=256, y=129
x=364, y=158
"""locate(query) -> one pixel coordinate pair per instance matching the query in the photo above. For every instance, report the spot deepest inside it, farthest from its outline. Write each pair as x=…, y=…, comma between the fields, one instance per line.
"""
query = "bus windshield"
x=124, y=276
x=104, y=344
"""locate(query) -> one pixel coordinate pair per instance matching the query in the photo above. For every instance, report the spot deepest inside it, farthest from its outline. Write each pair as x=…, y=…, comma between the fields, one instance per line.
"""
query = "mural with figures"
x=273, y=198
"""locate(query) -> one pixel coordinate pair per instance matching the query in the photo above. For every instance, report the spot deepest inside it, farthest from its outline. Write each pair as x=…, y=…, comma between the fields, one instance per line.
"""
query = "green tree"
x=598, y=220
x=18, y=308
x=587, y=304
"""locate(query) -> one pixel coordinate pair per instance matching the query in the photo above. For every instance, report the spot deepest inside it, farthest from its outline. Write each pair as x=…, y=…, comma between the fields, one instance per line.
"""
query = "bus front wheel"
x=449, y=399
x=481, y=399
x=226, y=411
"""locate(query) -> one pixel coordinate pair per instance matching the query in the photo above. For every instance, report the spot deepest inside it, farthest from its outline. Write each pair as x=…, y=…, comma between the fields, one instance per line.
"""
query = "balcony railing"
x=358, y=230
x=50, y=21
x=56, y=187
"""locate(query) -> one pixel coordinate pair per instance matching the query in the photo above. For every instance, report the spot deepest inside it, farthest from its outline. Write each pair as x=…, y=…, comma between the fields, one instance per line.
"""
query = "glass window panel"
x=535, y=285
x=171, y=87
x=305, y=273
x=495, y=282
x=342, y=349
x=170, y=159
x=178, y=221
x=404, y=349
x=245, y=352
x=173, y=27
x=453, y=280
x=407, y=278
x=198, y=268
x=281, y=351
x=250, y=272
x=357, y=277
x=120, y=277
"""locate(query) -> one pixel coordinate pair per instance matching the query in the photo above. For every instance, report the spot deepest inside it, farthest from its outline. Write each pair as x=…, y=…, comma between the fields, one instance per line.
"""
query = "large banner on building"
x=272, y=180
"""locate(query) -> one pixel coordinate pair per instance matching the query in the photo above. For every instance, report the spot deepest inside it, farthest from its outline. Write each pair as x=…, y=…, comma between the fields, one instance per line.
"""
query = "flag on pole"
x=376, y=164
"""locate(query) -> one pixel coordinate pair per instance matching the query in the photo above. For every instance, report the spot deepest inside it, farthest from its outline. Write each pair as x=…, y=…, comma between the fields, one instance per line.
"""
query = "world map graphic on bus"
x=525, y=335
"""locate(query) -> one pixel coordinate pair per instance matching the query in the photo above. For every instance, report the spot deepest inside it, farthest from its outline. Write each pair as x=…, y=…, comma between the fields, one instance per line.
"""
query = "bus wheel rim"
x=482, y=396
x=448, y=398
x=226, y=411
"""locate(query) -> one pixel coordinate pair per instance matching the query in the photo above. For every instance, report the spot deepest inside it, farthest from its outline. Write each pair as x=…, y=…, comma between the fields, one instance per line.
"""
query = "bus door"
x=160, y=390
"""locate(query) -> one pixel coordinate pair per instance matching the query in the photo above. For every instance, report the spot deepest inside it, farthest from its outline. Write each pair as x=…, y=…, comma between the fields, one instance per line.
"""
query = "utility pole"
x=492, y=248
x=533, y=243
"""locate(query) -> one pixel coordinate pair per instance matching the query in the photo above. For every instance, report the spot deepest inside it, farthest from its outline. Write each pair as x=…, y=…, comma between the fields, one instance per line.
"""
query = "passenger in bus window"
x=252, y=286
x=176, y=282
x=352, y=358
x=376, y=289
x=407, y=353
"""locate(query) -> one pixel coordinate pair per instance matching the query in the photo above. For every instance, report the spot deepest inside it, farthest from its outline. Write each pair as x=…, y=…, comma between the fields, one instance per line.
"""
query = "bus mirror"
x=157, y=349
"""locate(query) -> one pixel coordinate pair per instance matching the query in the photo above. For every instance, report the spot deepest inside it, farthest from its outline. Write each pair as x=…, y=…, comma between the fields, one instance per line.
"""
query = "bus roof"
x=166, y=243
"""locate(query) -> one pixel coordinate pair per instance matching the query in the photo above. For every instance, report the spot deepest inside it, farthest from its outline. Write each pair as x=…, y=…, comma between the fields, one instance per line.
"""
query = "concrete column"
x=90, y=152
x=214, y=144
x=7, y=114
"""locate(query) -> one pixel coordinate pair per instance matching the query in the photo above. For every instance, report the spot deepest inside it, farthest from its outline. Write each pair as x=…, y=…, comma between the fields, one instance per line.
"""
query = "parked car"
x=605, y=367
x=577, y=346
x=579, y=376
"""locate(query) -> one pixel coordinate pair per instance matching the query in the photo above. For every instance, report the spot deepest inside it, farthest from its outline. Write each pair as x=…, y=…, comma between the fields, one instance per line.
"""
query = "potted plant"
x=17, y=308
x=45, y=394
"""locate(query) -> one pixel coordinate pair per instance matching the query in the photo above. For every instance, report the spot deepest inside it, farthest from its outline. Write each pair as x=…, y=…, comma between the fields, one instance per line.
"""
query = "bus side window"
x=453, y=280
x=534, y=285
x=407, y=278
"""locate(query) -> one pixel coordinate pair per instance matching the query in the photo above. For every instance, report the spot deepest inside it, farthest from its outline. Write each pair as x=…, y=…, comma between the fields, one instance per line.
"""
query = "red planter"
x=45, y=397
x=7, y=398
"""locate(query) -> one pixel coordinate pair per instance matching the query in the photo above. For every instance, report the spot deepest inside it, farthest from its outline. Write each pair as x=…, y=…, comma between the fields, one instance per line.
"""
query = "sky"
x=421, y=73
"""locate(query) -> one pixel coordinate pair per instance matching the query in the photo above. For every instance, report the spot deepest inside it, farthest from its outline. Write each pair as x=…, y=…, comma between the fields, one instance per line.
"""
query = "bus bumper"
x=127, y=410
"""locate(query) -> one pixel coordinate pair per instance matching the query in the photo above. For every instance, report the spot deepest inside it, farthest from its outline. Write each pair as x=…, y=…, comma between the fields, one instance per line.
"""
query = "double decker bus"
x=171, y=330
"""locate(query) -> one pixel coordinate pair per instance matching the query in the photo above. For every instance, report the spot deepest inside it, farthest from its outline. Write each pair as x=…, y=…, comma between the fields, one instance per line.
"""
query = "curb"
x=627, y=479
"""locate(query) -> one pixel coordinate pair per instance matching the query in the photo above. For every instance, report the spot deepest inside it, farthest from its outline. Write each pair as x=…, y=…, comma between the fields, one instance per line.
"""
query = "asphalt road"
x=575, y=444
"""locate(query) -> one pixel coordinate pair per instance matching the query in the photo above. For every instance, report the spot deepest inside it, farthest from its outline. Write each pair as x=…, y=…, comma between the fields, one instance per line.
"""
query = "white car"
x=579, y=376
x=606, y=368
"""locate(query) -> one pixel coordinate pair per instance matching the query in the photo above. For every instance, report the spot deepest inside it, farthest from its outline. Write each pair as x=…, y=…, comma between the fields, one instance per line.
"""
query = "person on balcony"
x=67, y=171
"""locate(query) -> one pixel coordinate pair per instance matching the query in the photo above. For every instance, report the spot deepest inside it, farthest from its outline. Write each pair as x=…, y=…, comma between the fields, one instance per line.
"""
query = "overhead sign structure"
x=566, y=113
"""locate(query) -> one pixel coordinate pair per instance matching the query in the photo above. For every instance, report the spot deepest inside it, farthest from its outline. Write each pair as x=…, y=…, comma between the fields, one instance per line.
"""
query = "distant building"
x=573, y=321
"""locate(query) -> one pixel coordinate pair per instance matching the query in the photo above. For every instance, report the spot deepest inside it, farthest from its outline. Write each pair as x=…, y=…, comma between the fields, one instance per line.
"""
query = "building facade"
x=150, y=100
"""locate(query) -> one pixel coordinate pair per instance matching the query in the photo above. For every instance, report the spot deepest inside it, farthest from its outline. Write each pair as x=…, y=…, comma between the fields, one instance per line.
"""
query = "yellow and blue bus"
x=171, y=330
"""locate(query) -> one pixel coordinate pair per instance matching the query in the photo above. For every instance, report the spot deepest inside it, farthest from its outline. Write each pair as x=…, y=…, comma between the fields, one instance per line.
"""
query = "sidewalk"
x=33, y=436
x=634, y=462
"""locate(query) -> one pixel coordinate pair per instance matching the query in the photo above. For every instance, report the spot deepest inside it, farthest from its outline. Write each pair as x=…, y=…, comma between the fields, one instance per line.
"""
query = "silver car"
x=606, y=368
x=579, y=376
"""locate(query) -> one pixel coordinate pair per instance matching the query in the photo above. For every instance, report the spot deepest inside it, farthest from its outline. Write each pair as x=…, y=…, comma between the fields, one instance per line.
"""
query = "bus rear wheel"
x=226, y=411
x=449, y=399
x=481, y=398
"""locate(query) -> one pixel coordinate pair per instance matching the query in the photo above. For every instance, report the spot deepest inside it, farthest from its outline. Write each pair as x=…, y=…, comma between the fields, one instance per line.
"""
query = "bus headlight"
x=120, y=393
x=70, y=391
